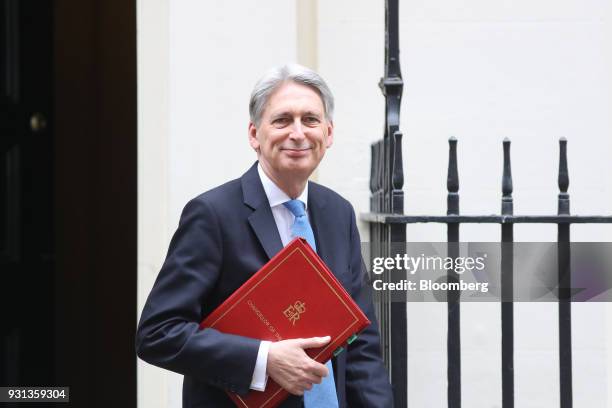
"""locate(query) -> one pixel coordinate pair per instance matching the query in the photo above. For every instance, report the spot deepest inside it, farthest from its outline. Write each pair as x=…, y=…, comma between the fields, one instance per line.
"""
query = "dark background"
x=68, y=198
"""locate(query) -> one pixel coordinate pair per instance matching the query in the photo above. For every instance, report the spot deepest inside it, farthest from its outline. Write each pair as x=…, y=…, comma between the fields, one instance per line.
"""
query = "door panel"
x=27, y=275
x=10, y=219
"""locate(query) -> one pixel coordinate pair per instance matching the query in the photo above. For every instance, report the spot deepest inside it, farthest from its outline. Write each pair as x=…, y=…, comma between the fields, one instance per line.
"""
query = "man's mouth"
x=296, y=149
x=296, y=152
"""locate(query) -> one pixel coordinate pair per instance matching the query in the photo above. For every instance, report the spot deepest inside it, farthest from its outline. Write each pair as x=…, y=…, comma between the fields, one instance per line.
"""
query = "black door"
x=26, y=194
x=68, y=198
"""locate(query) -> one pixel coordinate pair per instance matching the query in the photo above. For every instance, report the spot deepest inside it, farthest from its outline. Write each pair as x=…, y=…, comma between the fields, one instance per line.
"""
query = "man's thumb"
x=315, y=342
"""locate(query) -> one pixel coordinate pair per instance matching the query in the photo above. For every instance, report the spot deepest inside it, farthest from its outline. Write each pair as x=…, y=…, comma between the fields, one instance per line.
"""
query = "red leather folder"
x=294, y=295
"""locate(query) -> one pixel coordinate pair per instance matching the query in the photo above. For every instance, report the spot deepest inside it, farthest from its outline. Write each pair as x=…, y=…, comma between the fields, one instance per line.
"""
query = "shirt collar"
x=275, y=195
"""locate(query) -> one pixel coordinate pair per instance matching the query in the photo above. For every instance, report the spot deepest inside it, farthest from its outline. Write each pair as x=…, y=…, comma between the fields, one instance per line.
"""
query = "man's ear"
x=253, y=141
x=330, y=134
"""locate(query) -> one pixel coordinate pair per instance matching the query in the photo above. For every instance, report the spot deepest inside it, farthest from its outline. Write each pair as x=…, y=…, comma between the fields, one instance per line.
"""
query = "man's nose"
x=297, y=131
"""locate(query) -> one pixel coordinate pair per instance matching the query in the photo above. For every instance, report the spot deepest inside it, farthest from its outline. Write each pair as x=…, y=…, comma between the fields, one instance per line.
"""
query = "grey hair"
x=279, y=75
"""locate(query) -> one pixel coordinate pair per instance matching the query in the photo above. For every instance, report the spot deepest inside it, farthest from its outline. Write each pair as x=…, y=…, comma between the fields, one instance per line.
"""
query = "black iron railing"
x=386, y=182
x=388, y=225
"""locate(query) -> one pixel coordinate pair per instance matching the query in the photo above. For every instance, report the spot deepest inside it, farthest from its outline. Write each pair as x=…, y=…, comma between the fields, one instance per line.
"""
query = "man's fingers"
x=295, y=391
x=318, y=369
x=290, y=366
x=300, y=388
x=314, y=342
x=313, y=379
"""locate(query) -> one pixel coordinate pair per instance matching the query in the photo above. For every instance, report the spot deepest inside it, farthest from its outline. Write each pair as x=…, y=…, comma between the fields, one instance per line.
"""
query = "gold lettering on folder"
x=294, y=311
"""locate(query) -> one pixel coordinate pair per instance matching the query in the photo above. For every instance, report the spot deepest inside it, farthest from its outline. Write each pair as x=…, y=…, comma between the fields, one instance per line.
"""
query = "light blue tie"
x=321, y=395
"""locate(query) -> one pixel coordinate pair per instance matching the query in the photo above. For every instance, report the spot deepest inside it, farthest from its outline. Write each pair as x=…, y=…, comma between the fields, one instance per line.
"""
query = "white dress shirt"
x=284, y=220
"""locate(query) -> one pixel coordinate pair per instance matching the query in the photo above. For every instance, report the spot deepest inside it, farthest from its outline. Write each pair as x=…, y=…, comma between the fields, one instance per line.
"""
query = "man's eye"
x=278, y=122
x=311, y=120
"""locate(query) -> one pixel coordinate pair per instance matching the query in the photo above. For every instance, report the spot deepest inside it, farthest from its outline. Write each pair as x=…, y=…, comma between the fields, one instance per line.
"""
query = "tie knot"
x=296, y=207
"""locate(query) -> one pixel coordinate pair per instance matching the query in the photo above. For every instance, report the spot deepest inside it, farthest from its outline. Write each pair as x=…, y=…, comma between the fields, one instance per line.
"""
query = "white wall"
x=532, y=71
x=153, y=178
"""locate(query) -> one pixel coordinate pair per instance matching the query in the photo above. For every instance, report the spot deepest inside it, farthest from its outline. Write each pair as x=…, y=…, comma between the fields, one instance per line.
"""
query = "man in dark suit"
x=228, y=233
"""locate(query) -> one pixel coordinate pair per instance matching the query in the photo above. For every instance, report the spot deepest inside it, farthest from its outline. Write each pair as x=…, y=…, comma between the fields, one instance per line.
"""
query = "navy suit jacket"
x=223, y=237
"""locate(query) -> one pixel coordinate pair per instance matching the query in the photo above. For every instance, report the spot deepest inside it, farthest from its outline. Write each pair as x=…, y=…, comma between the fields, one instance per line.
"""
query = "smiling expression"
x=293, y=133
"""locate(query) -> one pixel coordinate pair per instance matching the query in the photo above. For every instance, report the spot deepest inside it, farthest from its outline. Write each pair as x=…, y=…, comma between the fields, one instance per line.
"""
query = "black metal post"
x=507, y=284
x=454, y=311
x=564, y=265
x=391, y=85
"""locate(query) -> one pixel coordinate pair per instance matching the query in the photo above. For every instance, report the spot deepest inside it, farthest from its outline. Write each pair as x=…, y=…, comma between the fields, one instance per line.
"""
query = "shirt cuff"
x=259, y=374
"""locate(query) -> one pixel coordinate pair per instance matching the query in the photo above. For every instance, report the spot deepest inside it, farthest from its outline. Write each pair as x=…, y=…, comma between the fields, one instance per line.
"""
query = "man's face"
x=293, y=133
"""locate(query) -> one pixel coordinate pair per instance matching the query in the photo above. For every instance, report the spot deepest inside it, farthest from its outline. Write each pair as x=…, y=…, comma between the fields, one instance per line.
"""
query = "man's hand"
x=290, y=366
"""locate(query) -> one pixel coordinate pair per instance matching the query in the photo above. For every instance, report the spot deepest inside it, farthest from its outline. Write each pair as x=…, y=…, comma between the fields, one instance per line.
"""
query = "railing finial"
x=507, y=201
x=563, y=180
x=563, y=172
x=452, y=180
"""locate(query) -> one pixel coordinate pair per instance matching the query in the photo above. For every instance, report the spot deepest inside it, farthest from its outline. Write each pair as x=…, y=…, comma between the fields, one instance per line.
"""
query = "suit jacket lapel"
x=320, y=222
x=323, y=221
x=261, y=220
